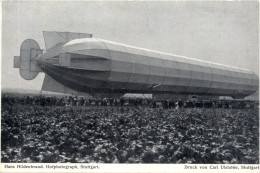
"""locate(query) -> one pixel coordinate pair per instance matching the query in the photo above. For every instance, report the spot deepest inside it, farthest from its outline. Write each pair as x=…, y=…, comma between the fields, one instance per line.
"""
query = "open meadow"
x=128, y=134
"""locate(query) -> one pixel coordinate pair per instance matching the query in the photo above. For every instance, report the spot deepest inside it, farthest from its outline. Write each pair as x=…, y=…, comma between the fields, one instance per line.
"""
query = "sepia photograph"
x=132, y=82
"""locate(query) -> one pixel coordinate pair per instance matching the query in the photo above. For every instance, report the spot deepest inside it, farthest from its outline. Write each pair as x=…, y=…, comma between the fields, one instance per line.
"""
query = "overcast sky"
x=222, y=32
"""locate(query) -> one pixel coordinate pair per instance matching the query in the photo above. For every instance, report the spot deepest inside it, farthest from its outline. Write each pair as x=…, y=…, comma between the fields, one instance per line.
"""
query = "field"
x=128, y=134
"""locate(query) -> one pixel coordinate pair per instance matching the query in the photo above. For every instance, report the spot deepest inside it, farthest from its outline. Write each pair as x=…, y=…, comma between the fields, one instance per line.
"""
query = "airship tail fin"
x=27, y=61
x=52, y=38
x=49, y=84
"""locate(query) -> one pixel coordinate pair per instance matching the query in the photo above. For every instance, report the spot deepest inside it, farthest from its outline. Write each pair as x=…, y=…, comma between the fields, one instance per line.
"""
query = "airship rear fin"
x=52, y=38
x=28, y=64
x=49, y=84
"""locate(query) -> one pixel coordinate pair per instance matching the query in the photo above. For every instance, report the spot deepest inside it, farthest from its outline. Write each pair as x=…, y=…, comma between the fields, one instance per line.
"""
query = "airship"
x=84, y=64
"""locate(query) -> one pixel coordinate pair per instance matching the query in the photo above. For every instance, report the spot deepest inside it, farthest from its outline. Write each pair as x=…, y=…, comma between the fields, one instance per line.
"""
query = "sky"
x=221, y=32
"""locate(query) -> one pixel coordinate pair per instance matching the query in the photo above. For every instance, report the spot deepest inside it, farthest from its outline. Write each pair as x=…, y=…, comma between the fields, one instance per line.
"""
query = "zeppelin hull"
x=96, y=65
x=98, y=81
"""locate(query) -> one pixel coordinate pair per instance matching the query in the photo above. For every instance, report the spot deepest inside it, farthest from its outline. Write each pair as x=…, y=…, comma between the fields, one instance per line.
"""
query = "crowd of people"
x=145, y=102
x=51, y=133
